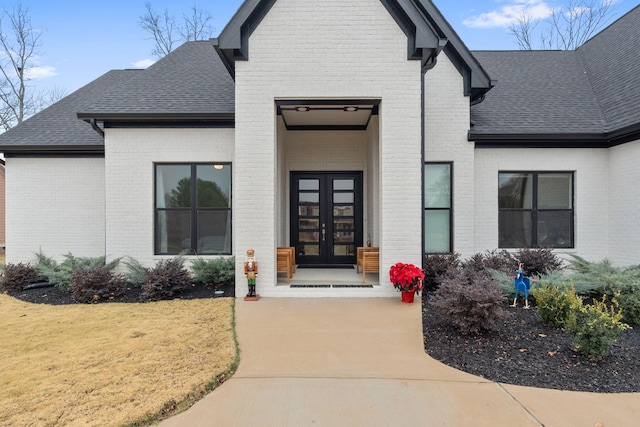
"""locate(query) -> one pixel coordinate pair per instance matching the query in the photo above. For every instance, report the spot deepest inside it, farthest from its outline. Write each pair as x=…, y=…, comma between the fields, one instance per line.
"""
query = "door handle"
x=324, y=232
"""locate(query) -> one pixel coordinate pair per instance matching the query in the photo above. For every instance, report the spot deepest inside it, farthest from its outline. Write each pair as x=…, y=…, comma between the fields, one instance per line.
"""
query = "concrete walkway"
x=361, y=362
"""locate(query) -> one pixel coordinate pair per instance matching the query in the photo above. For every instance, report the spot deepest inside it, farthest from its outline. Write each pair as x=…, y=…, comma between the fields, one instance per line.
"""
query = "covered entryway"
x=326, y=217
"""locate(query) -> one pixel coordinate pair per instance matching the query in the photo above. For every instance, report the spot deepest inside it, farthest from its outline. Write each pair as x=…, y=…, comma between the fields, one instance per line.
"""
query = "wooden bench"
x=370, y=263
x=286, y=262
x=360, y=251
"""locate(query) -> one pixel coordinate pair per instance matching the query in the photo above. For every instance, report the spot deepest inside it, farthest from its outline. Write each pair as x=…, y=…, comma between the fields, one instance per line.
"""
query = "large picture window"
x=193, y=209
x=438, y=212
x=535, y=210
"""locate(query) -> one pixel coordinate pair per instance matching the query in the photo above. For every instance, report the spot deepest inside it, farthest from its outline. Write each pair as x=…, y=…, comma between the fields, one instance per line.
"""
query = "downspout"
x=427, y=65
x=94, y=126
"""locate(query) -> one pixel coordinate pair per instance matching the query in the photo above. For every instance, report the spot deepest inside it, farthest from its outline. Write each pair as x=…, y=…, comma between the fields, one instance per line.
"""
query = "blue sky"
x=84, y=39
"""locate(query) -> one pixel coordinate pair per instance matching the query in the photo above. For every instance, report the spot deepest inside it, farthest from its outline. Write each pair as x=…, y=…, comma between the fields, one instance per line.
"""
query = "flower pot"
x=408, y=296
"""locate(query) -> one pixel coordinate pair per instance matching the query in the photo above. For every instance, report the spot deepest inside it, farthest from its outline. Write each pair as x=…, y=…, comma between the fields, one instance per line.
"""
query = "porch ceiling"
x=327, y=115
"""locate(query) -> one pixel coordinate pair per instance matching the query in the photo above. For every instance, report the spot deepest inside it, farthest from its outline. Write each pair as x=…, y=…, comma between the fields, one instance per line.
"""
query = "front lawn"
x=110, y=364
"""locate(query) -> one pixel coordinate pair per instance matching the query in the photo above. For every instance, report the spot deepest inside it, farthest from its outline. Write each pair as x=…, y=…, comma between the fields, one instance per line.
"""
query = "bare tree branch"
x=567, y=28
x=166, y=33
x=19, y=47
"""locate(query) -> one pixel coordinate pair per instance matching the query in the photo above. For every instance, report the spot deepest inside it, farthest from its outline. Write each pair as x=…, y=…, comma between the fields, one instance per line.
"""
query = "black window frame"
x=535, y=210
x=425, y=209
x=193, y=209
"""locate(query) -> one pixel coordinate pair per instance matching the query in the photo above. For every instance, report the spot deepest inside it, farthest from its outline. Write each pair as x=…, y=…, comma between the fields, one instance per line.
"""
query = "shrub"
x=472, y=301
x=436, y=266
x=630, y=306
x=555, y=305
x=165, y=280
x=61, y=273
x=538, y=262
x=603, y=278
x=135, y=271
x=95, y=284
x=17, y=276
x=594, y=328
x=218, y=271
x=491, y=260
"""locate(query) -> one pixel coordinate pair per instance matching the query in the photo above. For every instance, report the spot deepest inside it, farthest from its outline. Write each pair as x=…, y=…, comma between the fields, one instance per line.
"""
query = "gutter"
x=95, y=127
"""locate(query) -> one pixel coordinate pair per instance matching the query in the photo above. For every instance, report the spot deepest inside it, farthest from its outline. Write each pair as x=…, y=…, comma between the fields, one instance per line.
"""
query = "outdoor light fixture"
x=302, y=109
x=219, y=167
x=351, y=109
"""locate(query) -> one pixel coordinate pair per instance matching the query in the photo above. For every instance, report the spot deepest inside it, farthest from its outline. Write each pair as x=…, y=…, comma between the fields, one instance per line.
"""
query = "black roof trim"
x=162, y=119
x=426, y=29
x=53, y=151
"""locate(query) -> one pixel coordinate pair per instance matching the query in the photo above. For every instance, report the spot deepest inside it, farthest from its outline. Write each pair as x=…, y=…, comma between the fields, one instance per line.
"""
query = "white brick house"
x=324, y=125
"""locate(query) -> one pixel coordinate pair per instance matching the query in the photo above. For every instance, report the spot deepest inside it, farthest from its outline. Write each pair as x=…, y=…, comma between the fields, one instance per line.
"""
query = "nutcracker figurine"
x=251, y=271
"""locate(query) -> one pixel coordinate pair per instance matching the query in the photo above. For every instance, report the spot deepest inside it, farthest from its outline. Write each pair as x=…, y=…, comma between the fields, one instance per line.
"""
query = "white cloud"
x=39, y=72
x=144, y=63
x=510, y=13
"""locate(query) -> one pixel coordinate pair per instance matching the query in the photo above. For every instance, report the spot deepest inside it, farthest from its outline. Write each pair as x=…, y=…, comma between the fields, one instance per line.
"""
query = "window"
x=535, y=210
x=193, y=209
x=438, y=212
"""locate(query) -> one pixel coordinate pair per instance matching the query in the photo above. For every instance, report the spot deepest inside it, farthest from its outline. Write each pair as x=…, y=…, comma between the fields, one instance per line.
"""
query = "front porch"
x=329, y=282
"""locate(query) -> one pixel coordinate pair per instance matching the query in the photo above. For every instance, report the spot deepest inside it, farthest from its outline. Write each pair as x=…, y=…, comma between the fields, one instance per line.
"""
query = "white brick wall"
x=624, y=204
x=129, y=157
x=330, y=49
x=54, y=205
x=591, y=193
x=447, y=119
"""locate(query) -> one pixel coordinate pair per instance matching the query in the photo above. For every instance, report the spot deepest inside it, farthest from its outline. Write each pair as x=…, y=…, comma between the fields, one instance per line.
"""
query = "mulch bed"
x=526, y=352
x=52, y=294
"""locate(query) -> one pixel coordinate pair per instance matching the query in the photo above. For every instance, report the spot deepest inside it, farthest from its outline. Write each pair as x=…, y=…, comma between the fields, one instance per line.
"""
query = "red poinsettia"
x=406, y=277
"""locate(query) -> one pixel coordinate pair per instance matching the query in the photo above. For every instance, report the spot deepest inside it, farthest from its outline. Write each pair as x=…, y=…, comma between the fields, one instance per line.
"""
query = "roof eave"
x=51, y=150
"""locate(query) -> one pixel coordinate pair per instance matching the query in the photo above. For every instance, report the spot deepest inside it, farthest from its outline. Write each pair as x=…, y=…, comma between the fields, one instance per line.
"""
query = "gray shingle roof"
x=612, y=62
x=537, y=92
x=593, y=90
x=58, y=125
x=190, y=80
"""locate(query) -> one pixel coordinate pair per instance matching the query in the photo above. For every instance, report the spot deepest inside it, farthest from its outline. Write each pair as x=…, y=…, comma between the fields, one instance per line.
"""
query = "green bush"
x=135, y=271
x=595, y=327
x=60, y=273
x=471, y=300
x=603, y=278
x=218, y=271
x=436, y=266
x=555, y=305
x=95, y=284
x=17, y=276
x=165, y=280
x=630, y=306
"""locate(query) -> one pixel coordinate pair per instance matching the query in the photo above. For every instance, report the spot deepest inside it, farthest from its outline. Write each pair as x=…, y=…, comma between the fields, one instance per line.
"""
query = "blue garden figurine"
x=522, y=285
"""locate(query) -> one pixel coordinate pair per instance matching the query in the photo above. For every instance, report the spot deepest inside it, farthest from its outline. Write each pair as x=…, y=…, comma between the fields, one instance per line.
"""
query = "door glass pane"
x=554, y=191
x=344, y=250
x=437, y=238
x=305, y=224
x=309, y=210
x=309, y=184
x=309, y=198
x=343, y=210
x=514, y=229
x=343, y=236
x=307, y=250
x=343, y=184
x=437, y=186
x=214, y=186
x=554, y=229
x=173, y=186
x=174, y=231
x=343, y=197
x=309, y=236
x=214, y=232
x=343, y=224
x=515, y=190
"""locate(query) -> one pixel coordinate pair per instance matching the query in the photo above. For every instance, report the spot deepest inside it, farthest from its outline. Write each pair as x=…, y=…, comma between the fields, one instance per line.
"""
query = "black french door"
x=326, y=217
